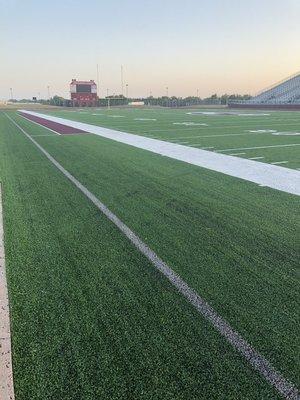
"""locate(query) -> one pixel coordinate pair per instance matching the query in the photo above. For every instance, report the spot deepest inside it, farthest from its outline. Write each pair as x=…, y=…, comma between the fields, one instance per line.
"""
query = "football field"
x=94, y=230
x=265, y=136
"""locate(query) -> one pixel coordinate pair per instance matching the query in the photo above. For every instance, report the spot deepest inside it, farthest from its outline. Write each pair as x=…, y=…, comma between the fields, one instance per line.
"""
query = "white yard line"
x=211, y=136
x=145, y=119
x=175, y=129
x=273, y=176
x=256, y=158
x=286, y=133
x=6, y=373
x=236, y=154
x=258, y=362
x=262, y=147
x=225, y=126
x=279, y=162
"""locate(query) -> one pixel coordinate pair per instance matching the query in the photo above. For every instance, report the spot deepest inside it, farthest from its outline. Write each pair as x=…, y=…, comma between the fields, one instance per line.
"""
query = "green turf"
x=233, y=241
x=91, y=319
x=222, y=131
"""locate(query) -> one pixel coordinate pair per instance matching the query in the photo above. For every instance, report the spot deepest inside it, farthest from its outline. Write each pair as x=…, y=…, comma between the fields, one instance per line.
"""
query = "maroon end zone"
x=54, y=126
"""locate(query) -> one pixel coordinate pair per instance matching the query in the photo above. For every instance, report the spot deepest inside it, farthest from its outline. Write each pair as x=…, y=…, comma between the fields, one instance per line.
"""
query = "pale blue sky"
x=214, y=45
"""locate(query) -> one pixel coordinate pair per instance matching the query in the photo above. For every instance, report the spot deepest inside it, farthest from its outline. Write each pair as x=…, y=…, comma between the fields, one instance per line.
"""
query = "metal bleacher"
x=284, y=92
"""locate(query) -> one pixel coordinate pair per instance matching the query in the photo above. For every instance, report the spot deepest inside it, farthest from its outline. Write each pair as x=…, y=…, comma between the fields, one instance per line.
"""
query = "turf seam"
x=256, y=360
x=6, y=373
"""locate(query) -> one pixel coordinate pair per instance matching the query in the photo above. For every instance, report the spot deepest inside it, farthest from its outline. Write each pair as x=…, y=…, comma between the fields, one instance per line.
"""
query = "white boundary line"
x=258, y=362
x=273, y=176
x=6, y=373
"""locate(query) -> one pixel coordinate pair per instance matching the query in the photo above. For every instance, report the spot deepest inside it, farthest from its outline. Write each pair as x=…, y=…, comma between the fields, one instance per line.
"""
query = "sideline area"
x=6, y=373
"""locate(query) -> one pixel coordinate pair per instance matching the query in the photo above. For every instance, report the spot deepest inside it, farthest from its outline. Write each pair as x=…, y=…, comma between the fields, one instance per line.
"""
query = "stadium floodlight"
x=108, y=99
x=122, y=81
x=98, y=78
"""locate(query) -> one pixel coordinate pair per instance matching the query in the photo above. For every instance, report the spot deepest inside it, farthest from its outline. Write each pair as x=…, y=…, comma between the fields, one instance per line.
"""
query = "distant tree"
x=57, y=101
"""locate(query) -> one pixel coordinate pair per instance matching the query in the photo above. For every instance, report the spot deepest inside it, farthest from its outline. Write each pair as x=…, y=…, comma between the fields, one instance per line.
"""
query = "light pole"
x=150, y=95
x=108, y=102
x=126, y=90
x=122, y=81
x=167, y=94
x=98, y=84
x=48, y=90
x=11, y=93
x=98, y=76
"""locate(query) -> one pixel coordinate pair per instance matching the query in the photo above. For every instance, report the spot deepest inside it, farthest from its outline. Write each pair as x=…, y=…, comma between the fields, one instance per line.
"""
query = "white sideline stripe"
x=256, y=158
x=236, y=154
x=273, y=176
x=262, y=147
x=6, y=373
x=258, y=362
x=279, y=162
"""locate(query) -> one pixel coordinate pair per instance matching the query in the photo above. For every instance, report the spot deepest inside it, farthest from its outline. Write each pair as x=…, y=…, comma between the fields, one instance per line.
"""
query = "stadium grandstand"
x=285, y=93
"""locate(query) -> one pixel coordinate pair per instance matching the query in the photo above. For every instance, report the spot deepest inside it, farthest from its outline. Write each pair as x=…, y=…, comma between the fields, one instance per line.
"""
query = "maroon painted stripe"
x=55, y=126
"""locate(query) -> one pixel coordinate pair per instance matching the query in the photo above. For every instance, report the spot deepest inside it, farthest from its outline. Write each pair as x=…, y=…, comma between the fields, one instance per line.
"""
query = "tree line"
x=164, y=101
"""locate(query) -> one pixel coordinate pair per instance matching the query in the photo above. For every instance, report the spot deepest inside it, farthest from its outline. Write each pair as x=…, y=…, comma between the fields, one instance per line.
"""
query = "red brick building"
x=83, y=93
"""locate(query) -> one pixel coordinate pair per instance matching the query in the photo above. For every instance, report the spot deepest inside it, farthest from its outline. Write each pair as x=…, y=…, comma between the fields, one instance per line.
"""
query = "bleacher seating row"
x=285, y=92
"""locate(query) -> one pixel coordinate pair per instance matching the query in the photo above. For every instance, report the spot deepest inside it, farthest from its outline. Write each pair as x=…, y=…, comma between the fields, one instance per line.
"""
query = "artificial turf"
x=220, y=132
x=233, y=241
x=92, y=319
